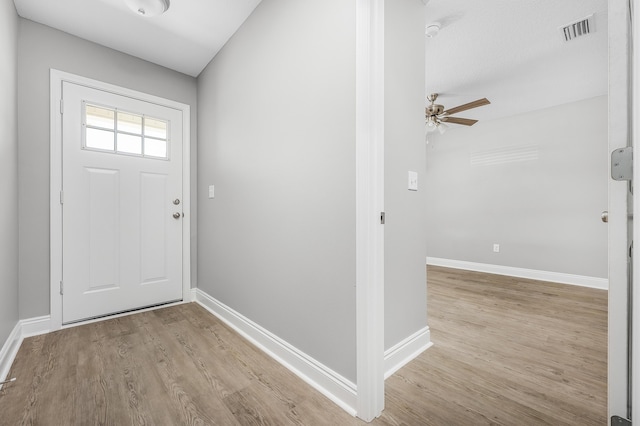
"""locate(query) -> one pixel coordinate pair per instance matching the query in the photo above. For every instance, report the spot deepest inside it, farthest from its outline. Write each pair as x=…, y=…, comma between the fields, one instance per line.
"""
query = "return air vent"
x=578, y=29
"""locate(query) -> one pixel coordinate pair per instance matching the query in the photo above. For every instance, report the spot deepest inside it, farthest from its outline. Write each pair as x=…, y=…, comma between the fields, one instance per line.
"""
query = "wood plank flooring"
x=172, y=366
x=507, y=352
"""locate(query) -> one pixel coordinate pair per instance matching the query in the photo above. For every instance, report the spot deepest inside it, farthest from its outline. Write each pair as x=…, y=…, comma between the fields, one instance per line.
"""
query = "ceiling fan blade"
x=474, y=104
x=456, y=120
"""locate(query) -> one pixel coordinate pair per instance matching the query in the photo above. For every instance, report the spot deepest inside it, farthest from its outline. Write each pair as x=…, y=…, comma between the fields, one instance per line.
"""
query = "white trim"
x=23, y=329
x=331, y=384
x=405, y=351
x=9, y=351
x=36, y=326
x=635, y=259
x=369, y=204
x=56, y=79
x=533, y=274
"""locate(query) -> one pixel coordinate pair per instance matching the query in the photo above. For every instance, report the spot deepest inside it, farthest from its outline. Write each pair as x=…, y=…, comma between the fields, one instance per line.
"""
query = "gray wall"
x=8, y=170
x=544, y=212
x=276, y=114
x=405, y=230
x=42, y=48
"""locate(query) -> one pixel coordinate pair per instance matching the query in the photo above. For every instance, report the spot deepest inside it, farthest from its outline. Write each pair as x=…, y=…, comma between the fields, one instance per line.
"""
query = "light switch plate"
x=413, y=181
x=211, y=191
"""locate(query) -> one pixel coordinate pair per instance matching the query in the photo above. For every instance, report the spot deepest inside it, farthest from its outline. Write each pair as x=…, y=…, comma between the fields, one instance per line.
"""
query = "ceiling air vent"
x=578, y=29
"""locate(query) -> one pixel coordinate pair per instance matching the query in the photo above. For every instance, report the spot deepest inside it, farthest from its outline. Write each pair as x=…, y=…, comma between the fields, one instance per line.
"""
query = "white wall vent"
x=578, y=29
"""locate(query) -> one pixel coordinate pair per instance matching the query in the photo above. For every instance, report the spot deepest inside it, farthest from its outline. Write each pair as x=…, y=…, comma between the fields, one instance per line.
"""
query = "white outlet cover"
x=413, y=181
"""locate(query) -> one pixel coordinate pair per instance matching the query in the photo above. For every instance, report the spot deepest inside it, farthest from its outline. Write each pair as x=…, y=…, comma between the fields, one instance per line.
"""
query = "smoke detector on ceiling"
x=432, y=29
x=580, y=28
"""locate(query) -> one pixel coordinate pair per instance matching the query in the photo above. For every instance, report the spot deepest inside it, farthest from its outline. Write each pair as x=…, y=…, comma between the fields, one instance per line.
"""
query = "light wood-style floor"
x=507, y=352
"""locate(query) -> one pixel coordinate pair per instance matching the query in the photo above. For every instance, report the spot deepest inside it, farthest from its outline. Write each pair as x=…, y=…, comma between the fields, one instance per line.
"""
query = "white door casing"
x=120, y=201
x=635, y=302
x=369, y=206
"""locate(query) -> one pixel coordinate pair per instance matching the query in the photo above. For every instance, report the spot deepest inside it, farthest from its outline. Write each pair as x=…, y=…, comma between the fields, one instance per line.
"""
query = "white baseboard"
x=556, y=277
x=24, y=328
x=403, y=352
x=331, y=384
x=9, y=351
x=36, y=326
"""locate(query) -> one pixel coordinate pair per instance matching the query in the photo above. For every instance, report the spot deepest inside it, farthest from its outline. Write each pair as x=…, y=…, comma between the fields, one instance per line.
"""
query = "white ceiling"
x=185, y=38
x=512, y=52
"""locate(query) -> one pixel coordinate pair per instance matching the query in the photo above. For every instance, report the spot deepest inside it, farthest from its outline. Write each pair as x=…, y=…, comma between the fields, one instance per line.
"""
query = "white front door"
x=121, y=203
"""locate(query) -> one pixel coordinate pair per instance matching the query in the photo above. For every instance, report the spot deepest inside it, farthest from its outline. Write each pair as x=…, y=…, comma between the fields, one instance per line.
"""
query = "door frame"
x=369, y=208
x=55, y=214
x=635, y=142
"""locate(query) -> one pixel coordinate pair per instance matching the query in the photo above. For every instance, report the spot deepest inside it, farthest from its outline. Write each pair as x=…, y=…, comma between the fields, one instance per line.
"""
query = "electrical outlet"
x=496, y=248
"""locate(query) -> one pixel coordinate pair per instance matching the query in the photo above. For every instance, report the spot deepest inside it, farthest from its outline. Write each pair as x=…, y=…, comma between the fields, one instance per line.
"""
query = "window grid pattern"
x=116, y=131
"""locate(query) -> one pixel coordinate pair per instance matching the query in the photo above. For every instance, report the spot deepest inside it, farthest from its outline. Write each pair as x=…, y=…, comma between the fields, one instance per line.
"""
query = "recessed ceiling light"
x=148, y=8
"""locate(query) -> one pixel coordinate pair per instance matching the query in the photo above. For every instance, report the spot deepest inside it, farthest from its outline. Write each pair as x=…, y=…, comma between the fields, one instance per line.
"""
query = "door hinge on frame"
x=619, y=421
x=61, y=197
x=622, y=164
x=61, y=106
x=61, y=288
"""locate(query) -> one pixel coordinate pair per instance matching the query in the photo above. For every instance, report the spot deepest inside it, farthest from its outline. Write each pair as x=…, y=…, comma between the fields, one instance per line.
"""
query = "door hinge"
x=61, y=106
x=61, y=288
x=61, y=197
x=382, y=218
x=622, y=164
x=619, y=421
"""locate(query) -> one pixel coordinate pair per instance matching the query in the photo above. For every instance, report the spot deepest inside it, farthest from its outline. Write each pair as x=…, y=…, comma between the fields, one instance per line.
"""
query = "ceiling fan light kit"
x=436, y=115
x=148, y=8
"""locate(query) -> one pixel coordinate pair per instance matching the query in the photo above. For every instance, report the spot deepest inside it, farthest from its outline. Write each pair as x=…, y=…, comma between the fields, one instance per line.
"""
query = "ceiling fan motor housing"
x=435, y=109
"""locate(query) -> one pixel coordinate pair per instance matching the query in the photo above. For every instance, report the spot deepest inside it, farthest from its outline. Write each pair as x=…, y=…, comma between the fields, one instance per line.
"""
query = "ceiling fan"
x=436, y=115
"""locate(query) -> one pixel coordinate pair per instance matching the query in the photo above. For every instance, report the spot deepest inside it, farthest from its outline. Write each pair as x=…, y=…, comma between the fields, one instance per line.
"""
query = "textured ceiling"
x=185, y=38
x=512, y=52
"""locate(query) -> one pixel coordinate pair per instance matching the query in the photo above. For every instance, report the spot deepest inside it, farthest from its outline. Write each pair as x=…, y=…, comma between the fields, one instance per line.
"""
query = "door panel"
x=122, y=247
x=620, y=209
x=155, y=214
x=103, y=187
